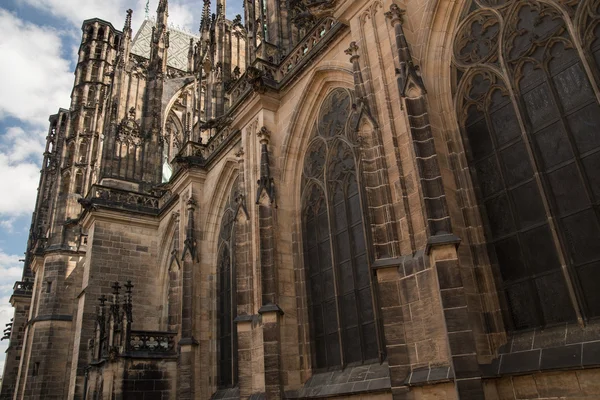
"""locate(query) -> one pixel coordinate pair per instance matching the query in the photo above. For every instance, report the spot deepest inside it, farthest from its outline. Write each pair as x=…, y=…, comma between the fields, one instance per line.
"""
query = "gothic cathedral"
x=359, y=199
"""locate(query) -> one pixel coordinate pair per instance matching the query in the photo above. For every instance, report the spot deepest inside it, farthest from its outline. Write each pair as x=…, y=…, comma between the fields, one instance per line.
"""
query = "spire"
x=125, y=44
x=147, y=10
x=163, y=7
x=160, y=38
x=265, y=183
x=191, y=56
x=407, y=73
x=220, y=8
x=127, y=26
x=162, y=13
x=205, y=24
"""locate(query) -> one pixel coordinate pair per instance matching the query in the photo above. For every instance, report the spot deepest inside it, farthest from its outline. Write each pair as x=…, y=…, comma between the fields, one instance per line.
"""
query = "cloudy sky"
x=39, y=40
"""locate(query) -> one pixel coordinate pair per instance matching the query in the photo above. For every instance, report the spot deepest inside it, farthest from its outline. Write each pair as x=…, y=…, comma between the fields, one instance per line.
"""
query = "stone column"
x=393, y=328
x=245, y=320
x=441, y=244
x=461, y=340
x=270, y=312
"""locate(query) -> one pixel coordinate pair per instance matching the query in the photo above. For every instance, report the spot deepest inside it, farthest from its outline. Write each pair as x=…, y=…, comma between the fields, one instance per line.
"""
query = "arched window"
x=79, y=183
x=95, y=72
x=83, y=149
x=537, y=181
x=174, y=297
x=100, y=34
x=66, y=182
x=339, y=288
x=90, y=32
x=70, y=154
x=98, y=50
x=226, y=298
x=87, y=123
x=91, y=98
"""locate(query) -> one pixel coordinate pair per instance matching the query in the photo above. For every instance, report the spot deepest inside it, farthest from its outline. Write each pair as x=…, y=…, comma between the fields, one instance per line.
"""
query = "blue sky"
x=39, y=40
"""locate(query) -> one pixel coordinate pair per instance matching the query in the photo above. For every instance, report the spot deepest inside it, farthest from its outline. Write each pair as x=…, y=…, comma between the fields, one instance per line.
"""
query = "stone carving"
x=128, y=131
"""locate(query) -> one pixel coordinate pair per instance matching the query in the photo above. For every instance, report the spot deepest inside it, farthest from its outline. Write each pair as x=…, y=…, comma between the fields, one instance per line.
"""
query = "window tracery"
x=340, y=300
x=527, y=103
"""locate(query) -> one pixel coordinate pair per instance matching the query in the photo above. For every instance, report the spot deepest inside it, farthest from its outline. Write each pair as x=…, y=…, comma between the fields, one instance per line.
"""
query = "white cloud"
x=76, y=11
x=20, y=145
x=11, y=268
x=35, y=79
x=20, y=152
x=185, y=13
x=35, y=82
x=21, y=180
x=8, y=224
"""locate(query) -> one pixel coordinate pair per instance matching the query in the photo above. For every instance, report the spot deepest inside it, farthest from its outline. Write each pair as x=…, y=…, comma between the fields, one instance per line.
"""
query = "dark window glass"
x=541, y=204
x=225, y=313
x=342, y=317
x=226, y=295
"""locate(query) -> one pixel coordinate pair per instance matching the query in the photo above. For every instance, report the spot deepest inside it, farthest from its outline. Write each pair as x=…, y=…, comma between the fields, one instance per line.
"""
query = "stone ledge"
x=409, y=264
x=442, y=240
x=40, y=318
x=429, y=375
x=230, y=393
x=352, y=380
x=574, y=356
x=270, y=308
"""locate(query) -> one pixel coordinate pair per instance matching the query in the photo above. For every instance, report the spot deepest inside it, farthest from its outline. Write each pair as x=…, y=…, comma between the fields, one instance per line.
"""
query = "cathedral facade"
x=355, y=199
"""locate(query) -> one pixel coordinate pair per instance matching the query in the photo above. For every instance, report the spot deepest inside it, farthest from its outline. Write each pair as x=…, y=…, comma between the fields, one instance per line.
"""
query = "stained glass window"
x=530, y=117
x=340, y=299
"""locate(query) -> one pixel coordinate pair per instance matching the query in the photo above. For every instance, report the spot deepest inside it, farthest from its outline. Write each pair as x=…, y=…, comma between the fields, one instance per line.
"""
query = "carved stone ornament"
x=477, y=39
x=128, y=131
x=255, y=79
x=320, y=8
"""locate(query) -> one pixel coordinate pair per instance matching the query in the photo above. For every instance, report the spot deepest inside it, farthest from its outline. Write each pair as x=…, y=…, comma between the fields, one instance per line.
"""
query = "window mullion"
x=334, y=265
x=350, y=227
x=541, y=183
x=513, y=210
x=566, y=266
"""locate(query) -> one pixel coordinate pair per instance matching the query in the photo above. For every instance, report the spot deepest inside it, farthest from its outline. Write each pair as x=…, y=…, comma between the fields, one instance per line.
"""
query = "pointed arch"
x=226, y=298
x=170, y=275
x=540, y=79
x=218, y=200
x=340, y=304
x=322, y=80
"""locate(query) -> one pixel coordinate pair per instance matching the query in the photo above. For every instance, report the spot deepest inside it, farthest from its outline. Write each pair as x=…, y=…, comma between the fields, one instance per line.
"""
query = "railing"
x=24, y=288
x=307, y=46
x=151, y=342
x=268, y=67
x=125, y=198
x=200, y=153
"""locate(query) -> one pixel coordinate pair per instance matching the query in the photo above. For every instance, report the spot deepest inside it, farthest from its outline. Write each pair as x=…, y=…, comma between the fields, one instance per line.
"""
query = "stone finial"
x=205, y=22
x=163, y=6
x=128, y=287
x=191, y=203
x=395, y=14
x=116, y=287
x=127, y=26
x=264, y=135
x=265, y=183
x=240, y=153
x=189, y=244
